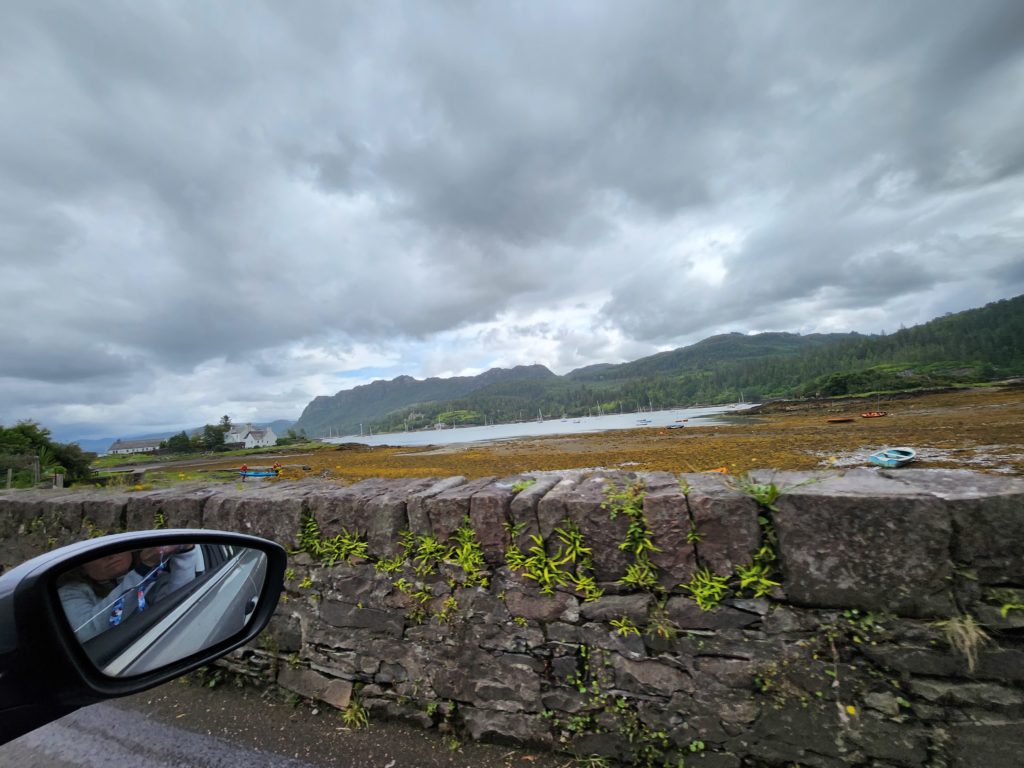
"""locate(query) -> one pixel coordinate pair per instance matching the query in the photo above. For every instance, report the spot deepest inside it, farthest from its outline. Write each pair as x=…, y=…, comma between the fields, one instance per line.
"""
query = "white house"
x=250, y=436
x=135, y=446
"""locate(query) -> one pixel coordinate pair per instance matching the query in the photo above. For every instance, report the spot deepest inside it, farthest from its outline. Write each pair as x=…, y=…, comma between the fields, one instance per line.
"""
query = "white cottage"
x=135, y=446
x=250, y=436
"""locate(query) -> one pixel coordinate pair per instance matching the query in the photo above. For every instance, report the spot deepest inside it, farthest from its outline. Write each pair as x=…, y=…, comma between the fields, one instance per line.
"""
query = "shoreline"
x=970, y=429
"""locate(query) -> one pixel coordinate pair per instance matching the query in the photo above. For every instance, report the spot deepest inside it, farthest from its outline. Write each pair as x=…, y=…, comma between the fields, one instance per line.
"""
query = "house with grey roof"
x=250, y=436
x=149, y=445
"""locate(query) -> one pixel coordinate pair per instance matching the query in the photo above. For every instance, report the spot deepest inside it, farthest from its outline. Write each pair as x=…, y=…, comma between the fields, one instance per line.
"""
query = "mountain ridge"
x=972, y=345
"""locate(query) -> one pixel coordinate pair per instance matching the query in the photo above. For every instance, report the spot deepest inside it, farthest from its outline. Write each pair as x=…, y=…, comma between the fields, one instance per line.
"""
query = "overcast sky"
x=232, y=207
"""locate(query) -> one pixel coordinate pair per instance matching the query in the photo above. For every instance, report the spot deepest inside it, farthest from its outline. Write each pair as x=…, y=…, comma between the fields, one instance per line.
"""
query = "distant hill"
x=345, y=411
x=967, y=347
x=710, y=351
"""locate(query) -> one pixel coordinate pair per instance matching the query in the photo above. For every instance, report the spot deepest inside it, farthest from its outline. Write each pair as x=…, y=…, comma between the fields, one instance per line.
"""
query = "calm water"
x=656, y=419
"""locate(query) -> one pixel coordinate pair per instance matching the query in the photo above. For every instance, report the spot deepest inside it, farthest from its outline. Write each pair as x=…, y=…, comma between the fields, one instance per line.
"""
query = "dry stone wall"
x=861, y=618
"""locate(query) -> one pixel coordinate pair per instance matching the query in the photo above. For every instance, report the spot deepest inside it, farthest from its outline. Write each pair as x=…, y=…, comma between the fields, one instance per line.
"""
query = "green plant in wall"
x=693, y=536
x=754, y=578
x=389, y=564
x=429, y=553
x=159, y=520
x=624, y=626
x=522, y=485
x=407, y=541
x=467, y=554
x=449, y=609
x=659, y=624
x=543, y=569
x=641, y=573
x=574, y=553
x=707, y=589
x=1007, y=599
x=345, y=547
x=965, y=635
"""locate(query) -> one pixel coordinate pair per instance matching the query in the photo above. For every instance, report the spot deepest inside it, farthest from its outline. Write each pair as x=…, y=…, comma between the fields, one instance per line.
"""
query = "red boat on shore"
x=873, y=414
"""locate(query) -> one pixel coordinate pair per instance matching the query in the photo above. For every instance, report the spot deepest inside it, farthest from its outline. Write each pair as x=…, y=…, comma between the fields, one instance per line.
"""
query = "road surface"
x=182, y=725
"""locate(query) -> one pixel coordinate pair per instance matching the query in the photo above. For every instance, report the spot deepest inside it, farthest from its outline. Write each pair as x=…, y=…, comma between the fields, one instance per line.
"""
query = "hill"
x=967, y=347
x=368, y=404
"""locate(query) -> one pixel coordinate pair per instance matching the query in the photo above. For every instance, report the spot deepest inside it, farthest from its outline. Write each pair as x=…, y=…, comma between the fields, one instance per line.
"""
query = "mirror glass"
x=141, y=609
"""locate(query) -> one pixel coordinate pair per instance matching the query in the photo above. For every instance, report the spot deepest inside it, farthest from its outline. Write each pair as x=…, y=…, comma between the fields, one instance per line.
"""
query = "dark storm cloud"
x=200, y=189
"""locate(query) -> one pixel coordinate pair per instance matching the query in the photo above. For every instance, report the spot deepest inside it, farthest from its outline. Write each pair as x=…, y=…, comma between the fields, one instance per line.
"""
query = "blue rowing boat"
x=258, y=474
x=893, y=457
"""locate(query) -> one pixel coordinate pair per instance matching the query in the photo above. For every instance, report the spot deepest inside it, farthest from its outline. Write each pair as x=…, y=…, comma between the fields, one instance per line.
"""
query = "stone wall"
x=893, y=637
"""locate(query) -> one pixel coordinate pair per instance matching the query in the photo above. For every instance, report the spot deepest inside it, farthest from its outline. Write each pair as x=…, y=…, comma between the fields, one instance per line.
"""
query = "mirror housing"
x=45, y=671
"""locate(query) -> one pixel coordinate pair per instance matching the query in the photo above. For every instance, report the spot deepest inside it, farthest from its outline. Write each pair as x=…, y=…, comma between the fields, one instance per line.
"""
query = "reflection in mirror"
x=138, y=610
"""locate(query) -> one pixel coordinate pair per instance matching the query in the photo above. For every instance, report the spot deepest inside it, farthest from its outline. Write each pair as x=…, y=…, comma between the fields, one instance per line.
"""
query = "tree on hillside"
x=225, y=423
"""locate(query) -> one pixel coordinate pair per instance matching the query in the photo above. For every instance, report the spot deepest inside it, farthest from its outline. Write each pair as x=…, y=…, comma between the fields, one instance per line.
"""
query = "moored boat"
x=873, y=414
x=839, y=420
x=893, y=457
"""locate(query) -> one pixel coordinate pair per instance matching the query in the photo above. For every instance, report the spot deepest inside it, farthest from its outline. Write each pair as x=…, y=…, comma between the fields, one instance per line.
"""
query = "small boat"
x=246, y=471
x=893, y=457
x=839, y=420
x=873, y=414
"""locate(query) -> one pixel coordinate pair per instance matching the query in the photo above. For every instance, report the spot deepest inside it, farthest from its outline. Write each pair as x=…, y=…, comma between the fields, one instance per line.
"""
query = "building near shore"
x=149, y=445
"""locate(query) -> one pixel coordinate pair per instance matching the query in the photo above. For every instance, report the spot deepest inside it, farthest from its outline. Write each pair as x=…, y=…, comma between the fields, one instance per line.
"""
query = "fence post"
x=10, y=475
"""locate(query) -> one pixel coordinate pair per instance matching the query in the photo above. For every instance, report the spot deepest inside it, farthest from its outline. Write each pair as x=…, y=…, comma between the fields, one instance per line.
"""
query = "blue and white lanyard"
x=117, y=608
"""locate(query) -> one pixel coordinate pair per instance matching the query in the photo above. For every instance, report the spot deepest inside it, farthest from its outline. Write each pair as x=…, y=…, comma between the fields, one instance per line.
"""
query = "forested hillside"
x=367, y=405
x=973, y=346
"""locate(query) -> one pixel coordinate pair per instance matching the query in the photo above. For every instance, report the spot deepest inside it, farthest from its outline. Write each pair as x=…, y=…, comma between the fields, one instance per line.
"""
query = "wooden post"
x=35, y=471
x=10, y=476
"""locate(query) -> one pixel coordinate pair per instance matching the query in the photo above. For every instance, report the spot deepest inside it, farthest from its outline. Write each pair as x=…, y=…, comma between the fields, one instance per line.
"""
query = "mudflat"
x=980, y=429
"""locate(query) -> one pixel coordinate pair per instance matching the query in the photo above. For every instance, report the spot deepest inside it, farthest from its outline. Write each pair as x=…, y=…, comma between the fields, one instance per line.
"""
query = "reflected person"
x=101, y=593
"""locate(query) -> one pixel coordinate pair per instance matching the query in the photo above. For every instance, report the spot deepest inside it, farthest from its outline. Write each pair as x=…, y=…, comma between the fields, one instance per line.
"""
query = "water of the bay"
x=652, y=419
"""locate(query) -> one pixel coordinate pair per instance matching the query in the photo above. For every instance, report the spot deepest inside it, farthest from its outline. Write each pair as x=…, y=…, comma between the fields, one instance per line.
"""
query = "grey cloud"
x=192, y=185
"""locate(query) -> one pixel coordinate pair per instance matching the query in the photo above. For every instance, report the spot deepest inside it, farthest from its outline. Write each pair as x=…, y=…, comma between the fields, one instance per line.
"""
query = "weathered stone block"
x=650, y=677
x=687, y=615
x=106, y=512
x=668, y=517
x=542, y=607
x=608, y=607
x=490, y=509
x=987, y=745
x=305, y=682
x=142, y=510
x=449, y=509
x=508, y=682
x=725, y=520
x=603, y=535
x=988, y=520
x=551, y=509
x=273, y=513
x=339, y=614
x=862, y=541
x=416, y=503
x=523, y=510
x=385, y=515
x=505, y=727
x=337, y=508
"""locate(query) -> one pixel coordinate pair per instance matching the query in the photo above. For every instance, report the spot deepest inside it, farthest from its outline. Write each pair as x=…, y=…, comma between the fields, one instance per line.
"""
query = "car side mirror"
x=119, y=614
